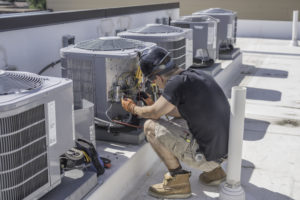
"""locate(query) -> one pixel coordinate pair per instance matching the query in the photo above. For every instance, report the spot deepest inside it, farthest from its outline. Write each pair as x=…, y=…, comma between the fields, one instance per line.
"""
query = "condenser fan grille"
x=156, y=28
x=110, y=44
x=216, y=10
x=17, y=82
x=196, y=18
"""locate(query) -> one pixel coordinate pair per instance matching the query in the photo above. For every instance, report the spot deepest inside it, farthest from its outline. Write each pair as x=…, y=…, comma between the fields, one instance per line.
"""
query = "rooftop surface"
x=271, y=159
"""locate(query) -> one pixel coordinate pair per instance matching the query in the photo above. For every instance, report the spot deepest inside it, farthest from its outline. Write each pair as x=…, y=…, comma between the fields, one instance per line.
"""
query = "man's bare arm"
x=155, y=111
x=174, y=113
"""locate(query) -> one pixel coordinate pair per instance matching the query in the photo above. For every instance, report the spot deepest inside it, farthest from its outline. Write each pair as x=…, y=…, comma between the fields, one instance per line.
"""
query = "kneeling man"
x=198, y=133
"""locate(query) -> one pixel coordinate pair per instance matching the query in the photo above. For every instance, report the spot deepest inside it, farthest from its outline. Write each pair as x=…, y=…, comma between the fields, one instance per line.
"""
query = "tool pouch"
x=90, y=150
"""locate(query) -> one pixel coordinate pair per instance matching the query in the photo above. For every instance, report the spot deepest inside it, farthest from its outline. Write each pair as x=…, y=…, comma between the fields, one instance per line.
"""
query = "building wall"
x=247, y=9
x=43, y=42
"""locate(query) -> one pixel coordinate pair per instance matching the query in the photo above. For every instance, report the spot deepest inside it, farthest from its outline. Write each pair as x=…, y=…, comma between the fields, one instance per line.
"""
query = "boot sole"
x=171, y=196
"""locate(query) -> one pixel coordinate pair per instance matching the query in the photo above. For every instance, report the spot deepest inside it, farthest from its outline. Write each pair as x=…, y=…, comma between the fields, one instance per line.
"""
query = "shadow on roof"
x=272, y=53
x=250, y=70
x=254, y=192
x=255, y=129
x=263, y=94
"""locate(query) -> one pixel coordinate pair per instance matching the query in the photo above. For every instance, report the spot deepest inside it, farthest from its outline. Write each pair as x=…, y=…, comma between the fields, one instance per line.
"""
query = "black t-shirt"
x=202, y=103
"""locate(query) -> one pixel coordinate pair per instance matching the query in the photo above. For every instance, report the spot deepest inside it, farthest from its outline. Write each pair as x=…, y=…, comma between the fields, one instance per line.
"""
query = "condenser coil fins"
x=205, y=48
x=227, y=27
x=99, y=68
x=35, y=129
x=176, y=40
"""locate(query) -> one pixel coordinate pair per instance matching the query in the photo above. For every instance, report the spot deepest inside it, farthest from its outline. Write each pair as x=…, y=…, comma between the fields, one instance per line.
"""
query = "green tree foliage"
x=38, y=4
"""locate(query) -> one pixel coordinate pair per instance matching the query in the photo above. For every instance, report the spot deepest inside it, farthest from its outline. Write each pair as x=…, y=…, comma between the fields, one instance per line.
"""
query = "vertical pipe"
x=236, y=130
x=232, y=189
x=295, y=28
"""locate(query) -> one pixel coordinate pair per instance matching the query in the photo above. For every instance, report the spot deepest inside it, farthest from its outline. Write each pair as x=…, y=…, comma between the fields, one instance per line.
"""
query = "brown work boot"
x=213, y=178
x=173, y=187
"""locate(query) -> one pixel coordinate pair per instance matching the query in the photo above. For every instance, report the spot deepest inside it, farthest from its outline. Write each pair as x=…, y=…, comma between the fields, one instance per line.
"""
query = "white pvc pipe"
x=236, y=132
x=295, y=28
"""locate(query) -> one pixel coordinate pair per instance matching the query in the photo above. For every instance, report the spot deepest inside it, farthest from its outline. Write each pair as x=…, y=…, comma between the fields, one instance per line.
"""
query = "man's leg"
x=171, y=187
x=213, y=174
x=165, y=155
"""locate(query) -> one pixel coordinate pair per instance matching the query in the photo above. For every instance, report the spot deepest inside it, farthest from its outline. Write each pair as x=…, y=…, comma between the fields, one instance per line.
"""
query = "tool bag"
x=90, y=150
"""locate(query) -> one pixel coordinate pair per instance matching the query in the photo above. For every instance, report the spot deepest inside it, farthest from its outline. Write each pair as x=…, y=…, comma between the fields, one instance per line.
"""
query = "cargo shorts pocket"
x=172, y=137
x=165, y=137
x=180, y=148
x=190, y=151
x=184, y=145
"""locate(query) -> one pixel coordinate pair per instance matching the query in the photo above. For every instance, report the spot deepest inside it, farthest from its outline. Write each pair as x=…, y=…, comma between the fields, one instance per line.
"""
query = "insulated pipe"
x=232, y=189
x=295, y=28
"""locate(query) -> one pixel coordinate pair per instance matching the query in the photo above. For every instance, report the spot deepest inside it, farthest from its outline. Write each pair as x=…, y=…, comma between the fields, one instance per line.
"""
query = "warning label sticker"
x=73, y=123
x=229, y=31
x=210, y=35
x=52, y=123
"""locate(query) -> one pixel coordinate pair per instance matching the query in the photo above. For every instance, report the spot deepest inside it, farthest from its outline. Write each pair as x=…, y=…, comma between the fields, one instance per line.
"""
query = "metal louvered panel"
x=20, y=175
x=23, y=154
x=36, y=182
x=25, y=189
x=18, y=158
x=14, y=123
x=21, y=138
x=177, y=50
x=204, y=37
x=183, y=25
x=174, y=39
x=180, y=62
x=82, y=73
x=173, y=44
x=235, y=29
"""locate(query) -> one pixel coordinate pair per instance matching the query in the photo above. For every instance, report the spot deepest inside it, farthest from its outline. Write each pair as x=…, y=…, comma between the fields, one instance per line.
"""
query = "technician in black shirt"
x=198, y=133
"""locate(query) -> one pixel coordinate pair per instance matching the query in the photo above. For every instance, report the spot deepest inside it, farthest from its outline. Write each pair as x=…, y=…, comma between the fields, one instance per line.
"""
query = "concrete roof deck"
x=271, y=159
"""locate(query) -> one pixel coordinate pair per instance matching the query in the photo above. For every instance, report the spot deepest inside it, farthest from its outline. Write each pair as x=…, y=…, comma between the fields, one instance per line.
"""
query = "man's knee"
x=149, y=128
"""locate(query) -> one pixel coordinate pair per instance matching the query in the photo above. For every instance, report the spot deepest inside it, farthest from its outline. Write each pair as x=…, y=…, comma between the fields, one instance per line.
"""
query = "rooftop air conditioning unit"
x=226, y=28
x=36, y=128
x=103, y=70
x=176, y=40
x=205, y=49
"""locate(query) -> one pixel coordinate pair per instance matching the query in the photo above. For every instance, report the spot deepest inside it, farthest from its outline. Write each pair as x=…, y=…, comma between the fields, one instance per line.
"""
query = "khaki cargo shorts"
x=175, y=136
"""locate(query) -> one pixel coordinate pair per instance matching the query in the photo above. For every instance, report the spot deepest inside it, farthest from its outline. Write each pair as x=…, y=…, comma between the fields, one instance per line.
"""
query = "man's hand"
x=128, y=105
x=145, y=98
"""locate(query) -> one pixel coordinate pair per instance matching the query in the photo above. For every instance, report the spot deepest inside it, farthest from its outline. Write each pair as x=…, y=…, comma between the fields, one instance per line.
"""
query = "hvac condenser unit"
x=176, y=40
x=103, y=71
x=205, y=49
x=226, y=28
x=36, y=128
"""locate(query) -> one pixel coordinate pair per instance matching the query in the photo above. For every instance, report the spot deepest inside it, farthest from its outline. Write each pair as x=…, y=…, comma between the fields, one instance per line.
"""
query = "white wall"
x=246, y=9
x=265, y=29
x=33, y=48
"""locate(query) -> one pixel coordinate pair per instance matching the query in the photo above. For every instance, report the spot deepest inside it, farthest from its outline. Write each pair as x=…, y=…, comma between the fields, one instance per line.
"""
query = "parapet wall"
x=31, y=42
